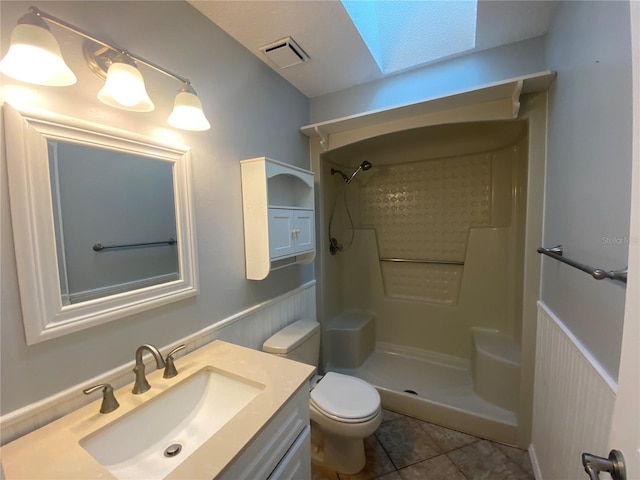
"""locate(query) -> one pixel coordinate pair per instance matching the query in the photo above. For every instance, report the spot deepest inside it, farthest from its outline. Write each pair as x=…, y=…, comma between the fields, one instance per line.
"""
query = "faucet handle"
x=170, y=370
x=109, y=402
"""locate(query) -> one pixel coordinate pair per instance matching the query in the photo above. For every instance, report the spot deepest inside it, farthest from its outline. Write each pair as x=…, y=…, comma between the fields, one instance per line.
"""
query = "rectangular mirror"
x=102, y=221
x=115, y=221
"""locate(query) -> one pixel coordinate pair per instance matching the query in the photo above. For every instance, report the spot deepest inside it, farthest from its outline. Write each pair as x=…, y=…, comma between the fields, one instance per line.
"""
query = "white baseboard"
x=534, y=463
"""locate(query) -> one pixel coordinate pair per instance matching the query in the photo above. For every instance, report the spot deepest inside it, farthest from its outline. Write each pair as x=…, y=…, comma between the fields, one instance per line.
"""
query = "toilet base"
x=342, y=454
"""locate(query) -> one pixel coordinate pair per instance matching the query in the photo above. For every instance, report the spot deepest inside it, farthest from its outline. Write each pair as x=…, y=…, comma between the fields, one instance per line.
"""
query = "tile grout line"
x=456, y=465
x=385, y=451
x=440, y=451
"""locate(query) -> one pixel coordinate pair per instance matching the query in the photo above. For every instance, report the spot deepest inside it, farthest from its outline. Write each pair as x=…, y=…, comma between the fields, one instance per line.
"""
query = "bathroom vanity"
x=231, y=413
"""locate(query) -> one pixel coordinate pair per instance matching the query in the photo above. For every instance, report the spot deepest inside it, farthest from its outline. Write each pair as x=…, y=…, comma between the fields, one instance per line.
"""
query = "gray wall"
x=445, y=78
x=253, y=112
x=588, y=181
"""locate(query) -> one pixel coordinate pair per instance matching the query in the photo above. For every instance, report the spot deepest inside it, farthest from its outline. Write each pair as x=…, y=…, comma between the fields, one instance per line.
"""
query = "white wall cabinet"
x=279, y=215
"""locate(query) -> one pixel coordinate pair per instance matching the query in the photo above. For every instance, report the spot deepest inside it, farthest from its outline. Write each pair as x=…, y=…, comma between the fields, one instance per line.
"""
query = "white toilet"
x=343, y=409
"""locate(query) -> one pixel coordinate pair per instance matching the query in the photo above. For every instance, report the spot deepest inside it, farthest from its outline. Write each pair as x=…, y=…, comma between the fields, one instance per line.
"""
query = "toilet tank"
x=298, y=341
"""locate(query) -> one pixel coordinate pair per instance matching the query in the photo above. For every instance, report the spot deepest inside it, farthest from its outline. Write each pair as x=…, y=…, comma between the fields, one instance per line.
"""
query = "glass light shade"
x=34, y=57
x=124, y=88
x=187, y=113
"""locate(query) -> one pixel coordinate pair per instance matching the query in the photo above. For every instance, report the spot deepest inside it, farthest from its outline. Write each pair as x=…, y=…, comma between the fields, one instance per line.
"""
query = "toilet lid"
x=345, y=397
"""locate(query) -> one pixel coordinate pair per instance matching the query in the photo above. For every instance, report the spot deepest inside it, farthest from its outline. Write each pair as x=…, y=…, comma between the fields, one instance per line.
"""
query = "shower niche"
x=279, y=215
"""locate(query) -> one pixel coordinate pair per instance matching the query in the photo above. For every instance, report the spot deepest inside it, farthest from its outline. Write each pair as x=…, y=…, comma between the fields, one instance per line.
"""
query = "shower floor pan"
x=443, y=393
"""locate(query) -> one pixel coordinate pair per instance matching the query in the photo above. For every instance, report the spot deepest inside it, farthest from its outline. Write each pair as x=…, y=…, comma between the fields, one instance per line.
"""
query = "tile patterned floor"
x=404, y=448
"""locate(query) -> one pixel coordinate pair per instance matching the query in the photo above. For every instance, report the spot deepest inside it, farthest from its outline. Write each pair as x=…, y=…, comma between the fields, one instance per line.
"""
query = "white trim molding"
x=44, y=313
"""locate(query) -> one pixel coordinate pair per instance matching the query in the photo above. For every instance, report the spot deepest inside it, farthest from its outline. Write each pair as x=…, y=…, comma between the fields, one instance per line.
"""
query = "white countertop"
x=54, y=452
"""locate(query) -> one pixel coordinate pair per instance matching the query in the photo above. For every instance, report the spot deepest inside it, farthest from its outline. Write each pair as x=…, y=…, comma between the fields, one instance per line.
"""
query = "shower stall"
x=422, y=270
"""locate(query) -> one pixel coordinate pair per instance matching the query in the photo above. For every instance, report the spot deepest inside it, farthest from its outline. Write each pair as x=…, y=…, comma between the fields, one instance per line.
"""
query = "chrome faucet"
x=141, y=385
x=170, y=370
x=109, y=402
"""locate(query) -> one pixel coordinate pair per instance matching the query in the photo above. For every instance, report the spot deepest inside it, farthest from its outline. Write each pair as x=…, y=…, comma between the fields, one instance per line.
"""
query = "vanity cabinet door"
x=295, y=464
x=281, y=450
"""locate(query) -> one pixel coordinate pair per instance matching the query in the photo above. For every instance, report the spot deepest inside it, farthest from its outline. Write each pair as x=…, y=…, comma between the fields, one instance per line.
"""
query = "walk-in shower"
x=334, y=246
x=427, y=305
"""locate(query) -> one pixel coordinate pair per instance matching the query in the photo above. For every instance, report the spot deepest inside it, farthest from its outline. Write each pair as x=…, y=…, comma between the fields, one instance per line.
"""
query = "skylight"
x=403, y=34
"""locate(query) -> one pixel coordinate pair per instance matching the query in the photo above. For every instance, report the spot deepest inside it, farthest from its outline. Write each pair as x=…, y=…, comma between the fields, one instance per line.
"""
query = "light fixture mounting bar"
x=82, y=33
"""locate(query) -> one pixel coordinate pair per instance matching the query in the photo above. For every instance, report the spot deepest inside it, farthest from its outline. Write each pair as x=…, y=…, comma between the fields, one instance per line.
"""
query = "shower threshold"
x=434, y=391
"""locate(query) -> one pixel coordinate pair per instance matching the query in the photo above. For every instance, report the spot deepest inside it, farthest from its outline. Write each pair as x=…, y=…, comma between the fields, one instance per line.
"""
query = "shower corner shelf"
x=279, y=219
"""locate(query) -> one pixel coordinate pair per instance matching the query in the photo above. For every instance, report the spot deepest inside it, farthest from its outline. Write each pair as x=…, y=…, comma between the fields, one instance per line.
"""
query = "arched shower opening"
x=427, y=303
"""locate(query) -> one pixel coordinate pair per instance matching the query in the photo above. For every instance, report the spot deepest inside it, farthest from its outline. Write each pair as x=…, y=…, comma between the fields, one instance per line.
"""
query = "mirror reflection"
x=115, y=221
x=75, y=185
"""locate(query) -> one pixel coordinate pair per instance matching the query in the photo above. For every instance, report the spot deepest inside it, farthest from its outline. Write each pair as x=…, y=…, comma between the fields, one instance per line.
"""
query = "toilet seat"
x=345, y=398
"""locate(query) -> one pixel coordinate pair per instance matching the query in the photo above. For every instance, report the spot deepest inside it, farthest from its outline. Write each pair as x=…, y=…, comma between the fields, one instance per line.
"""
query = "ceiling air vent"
x=285, y=53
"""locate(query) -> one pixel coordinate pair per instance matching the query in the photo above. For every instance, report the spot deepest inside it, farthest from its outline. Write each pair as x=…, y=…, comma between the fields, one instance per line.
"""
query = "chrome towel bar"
x=597, y=273
x=412, y=260
x=98, y=247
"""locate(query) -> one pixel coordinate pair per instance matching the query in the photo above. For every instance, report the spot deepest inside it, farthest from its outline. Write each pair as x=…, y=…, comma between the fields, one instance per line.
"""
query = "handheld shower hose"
x=334, y=246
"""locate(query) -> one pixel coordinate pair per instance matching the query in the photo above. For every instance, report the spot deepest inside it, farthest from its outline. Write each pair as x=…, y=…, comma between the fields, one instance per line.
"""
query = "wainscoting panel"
x=573, y=402
x=249, y=328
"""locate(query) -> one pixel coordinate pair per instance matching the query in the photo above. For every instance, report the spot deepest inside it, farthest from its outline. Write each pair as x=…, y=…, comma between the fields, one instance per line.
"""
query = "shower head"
x=363, y=166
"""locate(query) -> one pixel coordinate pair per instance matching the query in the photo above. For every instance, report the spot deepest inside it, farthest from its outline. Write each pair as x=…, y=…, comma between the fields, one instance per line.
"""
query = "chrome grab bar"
x=413, y=260
x=99, y=247
x=597, y=273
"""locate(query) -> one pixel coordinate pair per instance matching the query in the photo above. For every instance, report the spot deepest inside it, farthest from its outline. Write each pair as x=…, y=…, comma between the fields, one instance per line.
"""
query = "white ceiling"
x=338, y=57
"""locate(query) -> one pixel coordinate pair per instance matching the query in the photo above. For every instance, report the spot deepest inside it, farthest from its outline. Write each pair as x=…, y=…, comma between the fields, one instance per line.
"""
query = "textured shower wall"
x=462, y=208
x=452, y=192
x=424, y=210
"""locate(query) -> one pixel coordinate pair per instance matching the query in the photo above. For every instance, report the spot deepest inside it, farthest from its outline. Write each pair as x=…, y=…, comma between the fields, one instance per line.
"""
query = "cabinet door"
x=268, y=453
x=296, y=463
x=303, y=225
x=281, y=238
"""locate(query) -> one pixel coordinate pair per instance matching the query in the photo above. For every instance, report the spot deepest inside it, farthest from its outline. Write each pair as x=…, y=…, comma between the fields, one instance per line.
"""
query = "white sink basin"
x=185, y=415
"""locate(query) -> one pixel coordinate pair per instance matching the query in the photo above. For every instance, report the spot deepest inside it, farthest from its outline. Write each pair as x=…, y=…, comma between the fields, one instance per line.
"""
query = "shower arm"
x=342, y=174
x=363, y=166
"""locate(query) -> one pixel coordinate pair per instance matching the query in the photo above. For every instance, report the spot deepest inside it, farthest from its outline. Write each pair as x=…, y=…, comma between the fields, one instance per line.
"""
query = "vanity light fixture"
x=124, y=87
x=187, y=111
x=35, y=57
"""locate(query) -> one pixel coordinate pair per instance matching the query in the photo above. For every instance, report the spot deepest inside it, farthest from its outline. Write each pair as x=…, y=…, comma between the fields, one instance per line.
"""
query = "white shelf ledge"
x=497, y=101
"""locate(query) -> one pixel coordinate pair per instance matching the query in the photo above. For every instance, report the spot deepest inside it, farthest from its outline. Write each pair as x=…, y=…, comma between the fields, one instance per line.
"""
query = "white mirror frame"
x=44, y=315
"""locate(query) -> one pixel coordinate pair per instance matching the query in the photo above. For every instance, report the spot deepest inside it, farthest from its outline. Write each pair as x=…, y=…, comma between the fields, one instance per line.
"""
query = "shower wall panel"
x=424, y=210
x=450, y=193
x=459, y=209
x=430, y=283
